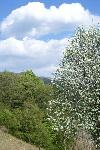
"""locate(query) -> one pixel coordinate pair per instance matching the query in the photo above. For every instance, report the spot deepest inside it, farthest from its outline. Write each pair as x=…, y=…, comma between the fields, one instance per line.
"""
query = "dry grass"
x=8, y=142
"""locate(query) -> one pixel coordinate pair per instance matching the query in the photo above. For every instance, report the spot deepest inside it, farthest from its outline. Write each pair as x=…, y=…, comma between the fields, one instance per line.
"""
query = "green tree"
x=17, y=89
x=23, y=102
x=76, y=102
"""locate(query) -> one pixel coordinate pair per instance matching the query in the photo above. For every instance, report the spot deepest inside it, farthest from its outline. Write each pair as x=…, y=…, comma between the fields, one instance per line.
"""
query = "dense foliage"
x=76, y=102
x=23, y=102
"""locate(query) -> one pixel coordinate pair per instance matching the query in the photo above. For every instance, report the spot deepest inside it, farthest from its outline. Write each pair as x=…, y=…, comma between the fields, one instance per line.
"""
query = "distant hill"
x=46, y=80
x=8, y=142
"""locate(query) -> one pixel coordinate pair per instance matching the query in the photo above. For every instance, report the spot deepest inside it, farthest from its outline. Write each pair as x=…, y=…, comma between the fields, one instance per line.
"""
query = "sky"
x=34, y=34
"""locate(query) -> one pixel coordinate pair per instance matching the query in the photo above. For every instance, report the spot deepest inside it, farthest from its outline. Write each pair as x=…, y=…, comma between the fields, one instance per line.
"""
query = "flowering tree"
x=76, y=102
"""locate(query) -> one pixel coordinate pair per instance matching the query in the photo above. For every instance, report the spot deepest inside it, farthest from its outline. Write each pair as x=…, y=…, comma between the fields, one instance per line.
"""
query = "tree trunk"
x=39, y=148
x=65, y=148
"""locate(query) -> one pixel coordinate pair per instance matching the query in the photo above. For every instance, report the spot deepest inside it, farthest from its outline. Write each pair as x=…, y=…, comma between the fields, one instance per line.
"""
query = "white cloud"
x=34, y=19
x=32, y=48
x=11, y=46
x=23, y=29
x=34, y=54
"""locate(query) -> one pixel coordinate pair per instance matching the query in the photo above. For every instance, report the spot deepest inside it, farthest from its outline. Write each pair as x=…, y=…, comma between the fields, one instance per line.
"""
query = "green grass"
x=8, y=142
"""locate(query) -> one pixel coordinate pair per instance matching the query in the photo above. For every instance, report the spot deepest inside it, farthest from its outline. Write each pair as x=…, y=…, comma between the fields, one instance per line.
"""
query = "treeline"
x=23, y=102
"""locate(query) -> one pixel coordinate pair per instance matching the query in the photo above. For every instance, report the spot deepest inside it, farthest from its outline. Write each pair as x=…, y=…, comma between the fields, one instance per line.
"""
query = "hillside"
x=23, y=102
x=46, y=80
x=8, y=142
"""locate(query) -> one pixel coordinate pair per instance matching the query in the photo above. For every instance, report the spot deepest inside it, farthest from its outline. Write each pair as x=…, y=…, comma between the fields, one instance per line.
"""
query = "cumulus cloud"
x=34, y=54
x=32, y=48
x=35, y=20
x=11, y=46
x=23, y=31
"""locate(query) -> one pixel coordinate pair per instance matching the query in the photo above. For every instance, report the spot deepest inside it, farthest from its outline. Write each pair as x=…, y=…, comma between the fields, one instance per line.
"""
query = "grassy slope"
x=8, y=142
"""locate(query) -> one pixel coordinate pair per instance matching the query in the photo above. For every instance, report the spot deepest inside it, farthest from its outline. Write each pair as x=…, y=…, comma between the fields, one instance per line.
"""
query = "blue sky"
x=33, y=34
